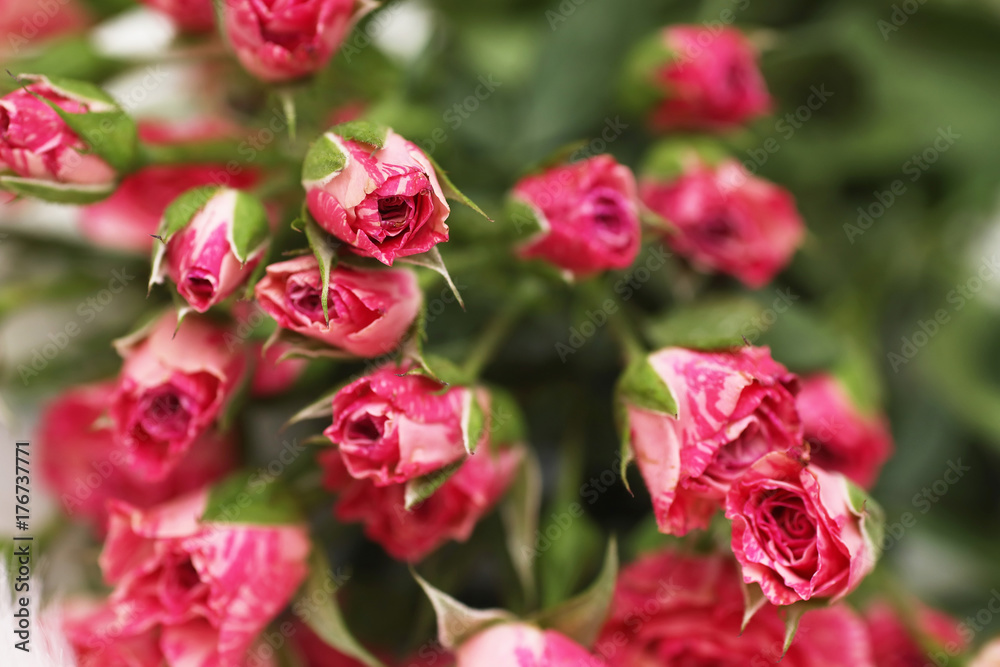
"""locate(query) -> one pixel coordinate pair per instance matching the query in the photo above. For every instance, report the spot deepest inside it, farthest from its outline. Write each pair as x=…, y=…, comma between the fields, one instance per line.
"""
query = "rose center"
x=164, y=414
x=607, y=209
x=394, y=213
x=368, y=427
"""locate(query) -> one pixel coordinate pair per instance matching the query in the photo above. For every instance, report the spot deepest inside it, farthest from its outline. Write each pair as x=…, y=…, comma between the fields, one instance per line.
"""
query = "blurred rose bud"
x=85, y=467
x=451, y=512
x=277, y=40
x=725, y=410
x=725, y=219
x=516, y=644
x=369, y=310
x=129, y=217
x=171, y=390
x=271, y=374
x=800, y=532
x=392, y=427
x=382, y=199
x=95, y=632
x=192, y=571
x=914, y=636
x=188, y=15
x=23, y=31
x=842, y=438
x=989, y=656
x=698, y=77
x=210, y=241
x=585, y=214
x=63, y=141
x=693, y=608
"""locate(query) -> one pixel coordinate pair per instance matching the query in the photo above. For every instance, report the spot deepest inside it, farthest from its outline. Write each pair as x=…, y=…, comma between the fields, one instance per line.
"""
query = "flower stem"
x=498, y=328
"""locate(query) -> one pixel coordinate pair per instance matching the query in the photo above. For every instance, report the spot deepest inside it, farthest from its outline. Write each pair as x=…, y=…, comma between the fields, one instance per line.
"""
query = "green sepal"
x=324, y=160
x=362, y=131
x=640, y=385
x=639, y=89
x=60, y=193
x=670, y=158
x=420, y=489
x=872, y=518
x=519, y=513
x=581, y=617
x=473, y=421
x=317, y=607
x=176, y=217
x=324, y=248
x=249, y=498
x=457, y=622
x=250, y=228
x=528, y=220
x=432, y=260
x=452, y=192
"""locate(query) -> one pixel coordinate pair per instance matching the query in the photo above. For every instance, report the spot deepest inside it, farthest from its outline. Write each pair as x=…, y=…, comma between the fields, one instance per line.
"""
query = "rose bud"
x=392, y=427
x=841, y=437
x=369, y=310
x=170, y=391
x=188, y=15
x=586, y=213
x=22, y=31
x=800, y=532
x=732, y=407
x=92, y=630
x=725, y=219
x=914, y=641
x=517, y=644
x=451, y=512
x=989, y=656
x=210, y=241
x=700, y=78
x=198, y=578
x=691, y=612
x=382, y=199
x=271, y=374
x=279, y=41
x=129, y=217
x=82, y=463
x=41, y=148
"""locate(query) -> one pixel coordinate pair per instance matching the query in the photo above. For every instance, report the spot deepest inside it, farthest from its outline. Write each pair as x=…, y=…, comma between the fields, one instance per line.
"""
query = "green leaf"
x=640, y=385
x=580, y=618
x=432, y=260
x=420, y=489
x=321, y=408
x=250, y=228
x=60, y=193
x=247, y=498
x=324, y=247
x=714, y=324
x=872, y=517
x=456, y=622
x=519, y=512
x=317, y=607
x=324, y=160
x=451, y=192
x=365, y=132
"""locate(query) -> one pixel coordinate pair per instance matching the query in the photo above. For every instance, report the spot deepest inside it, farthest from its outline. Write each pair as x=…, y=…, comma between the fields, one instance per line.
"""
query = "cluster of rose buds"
x=202, y=554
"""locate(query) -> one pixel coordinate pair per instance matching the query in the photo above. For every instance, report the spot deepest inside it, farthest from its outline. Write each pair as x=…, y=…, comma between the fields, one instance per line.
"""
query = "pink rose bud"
x=211, y=240
x=673, y=608
x=989, y=656
x=82, y=463
x=586, y=214
x=730, y=408
x=451, y=512
x=800, y=532
x=23, y=32
x=94, y=632
x=42, y=150
x=170, y=391
x=382, y=199
x=188, y=15
x=703, y=79
x=841, y=437
x=271, y=374
x=369, y=310
x=129, y=217
x=197, y=579
x=725, y=219
x=901, y=643
x=522, y=645
x=277, y=40
x=391, y=427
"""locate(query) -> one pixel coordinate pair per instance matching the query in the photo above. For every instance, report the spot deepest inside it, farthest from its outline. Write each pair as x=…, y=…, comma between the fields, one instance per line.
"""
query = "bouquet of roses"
x=308, y=431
